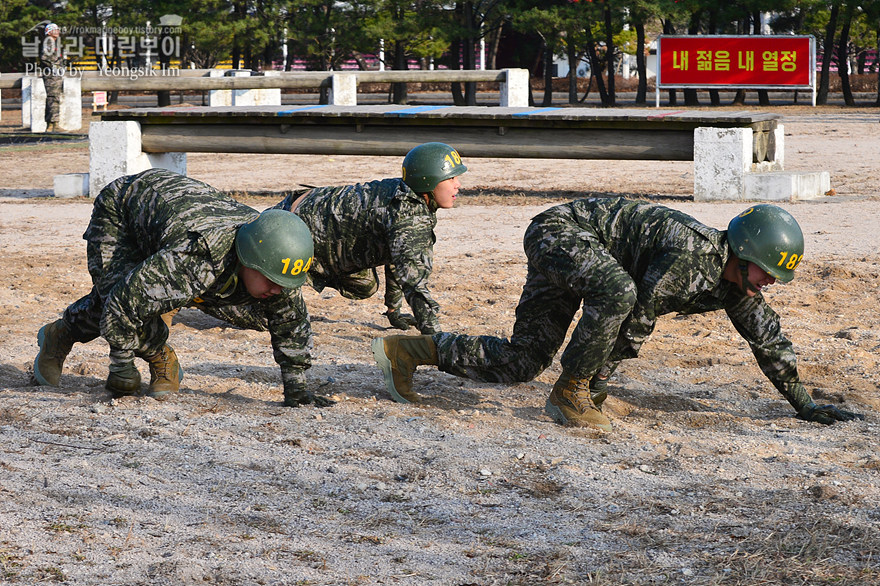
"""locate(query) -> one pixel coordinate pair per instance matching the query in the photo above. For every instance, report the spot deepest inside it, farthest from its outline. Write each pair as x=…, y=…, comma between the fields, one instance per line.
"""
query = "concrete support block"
x=242, y=97
x=515, y=90
x=115, y=151
x=72, y=185
x=779, y=135
x=70, y=111
x=33, y=103
x=786, y=185
x=219, y=98
x=343, y=90
x=26, y=82
x=722, y=157
x=268, y=96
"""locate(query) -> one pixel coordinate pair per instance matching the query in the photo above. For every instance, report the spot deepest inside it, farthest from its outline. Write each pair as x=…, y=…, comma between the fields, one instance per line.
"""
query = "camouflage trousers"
x=110, y=258
x=360, y=285
x=568, y=268
x=54, y=86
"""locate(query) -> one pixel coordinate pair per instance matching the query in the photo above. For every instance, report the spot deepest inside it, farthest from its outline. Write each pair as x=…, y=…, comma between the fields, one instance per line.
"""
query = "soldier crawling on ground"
x=357, y=228
x=627, y=263
x=158, y=241
x=389, y=222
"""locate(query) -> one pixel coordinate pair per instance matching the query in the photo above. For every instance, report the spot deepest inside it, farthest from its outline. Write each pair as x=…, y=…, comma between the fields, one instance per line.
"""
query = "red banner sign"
x=736, y=61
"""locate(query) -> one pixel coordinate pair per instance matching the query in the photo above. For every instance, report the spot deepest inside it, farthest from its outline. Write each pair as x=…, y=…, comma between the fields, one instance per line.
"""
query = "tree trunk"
x=455, y=56
x=493, y=41
x=572, y=75
x=669, y=29
x=470, y=58
x=609, y=56
x=548, y=76
x=398, y=90
x=641, y=65
x=763, y=95
x=163, y=96
x=843, y=56
x=690, y=95
x=827, y=51
x=595, y=67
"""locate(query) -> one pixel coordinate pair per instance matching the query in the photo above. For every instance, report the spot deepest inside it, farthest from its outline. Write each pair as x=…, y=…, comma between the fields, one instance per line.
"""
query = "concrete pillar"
x=515, y=89
x=343, y=90
x=722, y=157
x=218, y=98
x=26, y=82
x=70, y=112
x=115, y=151
x=33, y=103
x=268, y=96
x=242, y=97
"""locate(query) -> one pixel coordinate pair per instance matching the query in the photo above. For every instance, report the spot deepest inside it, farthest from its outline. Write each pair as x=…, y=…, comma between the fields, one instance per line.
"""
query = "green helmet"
x=279, y=245
x=770, y=237
x=428, y=164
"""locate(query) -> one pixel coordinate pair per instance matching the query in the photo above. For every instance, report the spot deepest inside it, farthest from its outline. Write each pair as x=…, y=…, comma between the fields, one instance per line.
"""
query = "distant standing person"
x=52, y=72
x=624, y=264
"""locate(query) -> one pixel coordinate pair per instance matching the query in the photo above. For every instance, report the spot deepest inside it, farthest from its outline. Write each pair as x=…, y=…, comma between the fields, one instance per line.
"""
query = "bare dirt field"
x=707, y=477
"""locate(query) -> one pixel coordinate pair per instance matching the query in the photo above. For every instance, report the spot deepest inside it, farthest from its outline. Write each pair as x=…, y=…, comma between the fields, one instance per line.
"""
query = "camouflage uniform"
x=627, y=263
x=52, y=65
x=158, y=241
x=359, y=227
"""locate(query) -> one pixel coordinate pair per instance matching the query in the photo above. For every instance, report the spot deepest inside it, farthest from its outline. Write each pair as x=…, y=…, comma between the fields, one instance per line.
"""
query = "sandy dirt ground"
x=707, y=477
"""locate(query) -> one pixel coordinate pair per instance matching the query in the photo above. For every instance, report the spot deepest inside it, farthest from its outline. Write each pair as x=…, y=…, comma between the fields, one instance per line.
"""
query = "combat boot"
x=165, y=373
x=124, y=379
x=55, y=343
x=398, y=357
x=570, y=403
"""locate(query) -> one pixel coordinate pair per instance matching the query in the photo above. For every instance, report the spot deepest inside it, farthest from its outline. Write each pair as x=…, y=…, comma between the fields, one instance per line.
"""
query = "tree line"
x=592, y=35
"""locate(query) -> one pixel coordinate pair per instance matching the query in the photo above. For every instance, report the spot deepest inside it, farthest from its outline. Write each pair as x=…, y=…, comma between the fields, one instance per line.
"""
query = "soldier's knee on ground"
x=360, y=285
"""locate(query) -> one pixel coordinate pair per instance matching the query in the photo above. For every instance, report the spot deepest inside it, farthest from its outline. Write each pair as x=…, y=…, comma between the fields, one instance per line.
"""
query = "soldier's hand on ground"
x=826, y=414
x=401, y=321
x=294, y=397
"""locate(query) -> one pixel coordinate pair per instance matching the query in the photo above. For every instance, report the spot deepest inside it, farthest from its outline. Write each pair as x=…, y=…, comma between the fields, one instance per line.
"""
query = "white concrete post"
x=242, y=97
x=343, y=89
x=70, y=110
x=218, y=98
x=26, y=82
x=115, y=151
x=268, y=96
x=779, y=157
x=33, y=103
x=722, y=157
x=515, y=89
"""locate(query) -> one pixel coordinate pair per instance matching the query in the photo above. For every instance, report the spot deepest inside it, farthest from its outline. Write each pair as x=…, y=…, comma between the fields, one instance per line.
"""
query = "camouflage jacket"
x=357, y=227
x=51, y=57
x=677, y=264
x=181, y=234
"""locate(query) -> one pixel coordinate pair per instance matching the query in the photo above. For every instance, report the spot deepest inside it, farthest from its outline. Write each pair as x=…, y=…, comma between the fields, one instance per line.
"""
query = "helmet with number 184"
x=430, y=163
x=279, y=245
x=770, y=237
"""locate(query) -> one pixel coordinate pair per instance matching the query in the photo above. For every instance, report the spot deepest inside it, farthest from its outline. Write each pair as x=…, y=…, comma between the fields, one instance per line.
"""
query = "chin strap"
x=746, y=285
x=431, y=201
